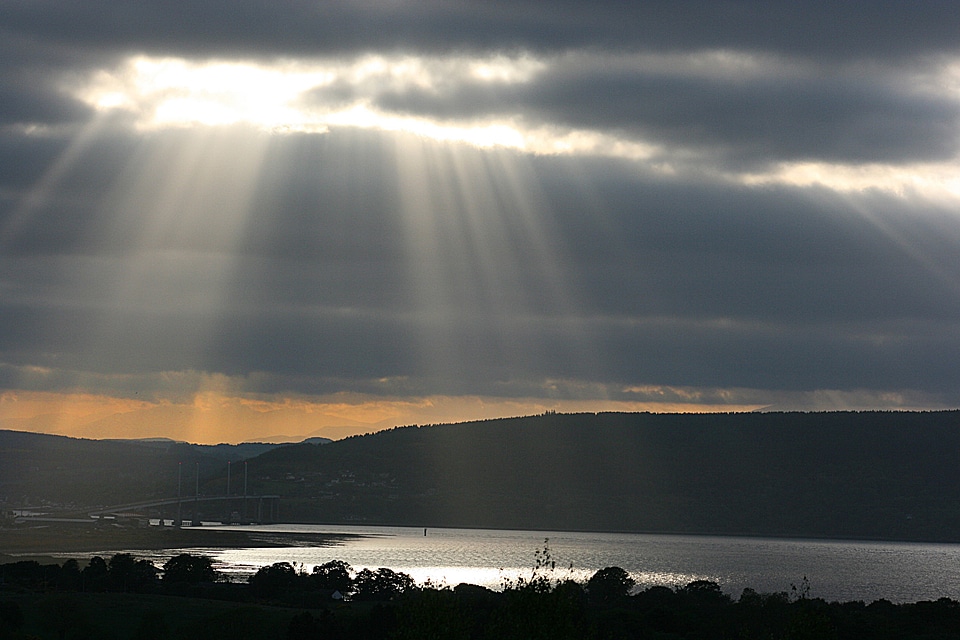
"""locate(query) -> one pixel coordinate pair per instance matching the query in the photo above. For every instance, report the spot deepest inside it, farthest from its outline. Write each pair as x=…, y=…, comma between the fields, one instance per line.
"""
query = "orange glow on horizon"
x=211, y=417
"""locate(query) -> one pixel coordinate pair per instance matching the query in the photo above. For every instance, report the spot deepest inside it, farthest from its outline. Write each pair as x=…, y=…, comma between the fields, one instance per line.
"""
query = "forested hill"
x=893, y=475
x=59, y=473
x=840, y=474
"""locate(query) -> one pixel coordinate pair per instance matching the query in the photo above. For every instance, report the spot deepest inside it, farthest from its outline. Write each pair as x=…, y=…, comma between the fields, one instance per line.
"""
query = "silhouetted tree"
x=189, y=569
x=126, y=573
x=333, y=575
x=434, y=613
x=540, y=610
x=382, y=584
x=69, y=579
x=95, y=575
x=25, y=573
x=609, y=584
x=704, y=591
x=543, y=576
x=273, y=580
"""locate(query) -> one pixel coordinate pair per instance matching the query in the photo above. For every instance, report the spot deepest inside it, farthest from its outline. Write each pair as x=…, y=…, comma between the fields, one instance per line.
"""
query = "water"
x=835, y=570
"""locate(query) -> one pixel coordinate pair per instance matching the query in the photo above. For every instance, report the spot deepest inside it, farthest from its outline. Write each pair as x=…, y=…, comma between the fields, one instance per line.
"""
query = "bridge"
x=261, y=509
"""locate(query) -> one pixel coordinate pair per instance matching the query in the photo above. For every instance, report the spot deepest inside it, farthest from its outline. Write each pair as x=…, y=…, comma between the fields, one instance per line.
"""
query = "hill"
x=890, y=475
x=61, y=473
x=885, y=475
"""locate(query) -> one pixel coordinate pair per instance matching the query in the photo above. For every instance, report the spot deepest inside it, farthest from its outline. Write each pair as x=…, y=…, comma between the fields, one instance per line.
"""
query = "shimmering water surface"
x=835, y=570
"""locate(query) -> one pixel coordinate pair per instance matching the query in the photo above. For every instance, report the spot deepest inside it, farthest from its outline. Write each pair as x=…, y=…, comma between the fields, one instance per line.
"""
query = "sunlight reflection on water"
x=836, y=570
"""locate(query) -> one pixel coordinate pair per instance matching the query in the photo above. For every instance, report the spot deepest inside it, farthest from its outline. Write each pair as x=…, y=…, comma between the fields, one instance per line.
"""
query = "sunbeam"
x=484, y=264
x=387, y=230
x=46, y=189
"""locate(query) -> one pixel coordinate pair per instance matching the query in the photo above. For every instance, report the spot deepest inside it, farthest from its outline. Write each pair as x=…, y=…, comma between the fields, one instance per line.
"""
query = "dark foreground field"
x=121, y=597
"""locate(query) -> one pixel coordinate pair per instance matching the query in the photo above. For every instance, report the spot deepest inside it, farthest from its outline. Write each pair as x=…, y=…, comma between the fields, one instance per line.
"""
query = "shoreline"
x=61, y=542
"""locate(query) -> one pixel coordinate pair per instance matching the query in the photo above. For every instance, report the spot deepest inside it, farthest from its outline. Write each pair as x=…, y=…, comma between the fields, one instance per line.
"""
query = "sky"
x=230, y=221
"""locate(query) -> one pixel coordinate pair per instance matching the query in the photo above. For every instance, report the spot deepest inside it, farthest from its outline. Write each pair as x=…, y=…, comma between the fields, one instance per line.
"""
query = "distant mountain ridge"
x=225, y=451
x=60, y=472
x=878, y=475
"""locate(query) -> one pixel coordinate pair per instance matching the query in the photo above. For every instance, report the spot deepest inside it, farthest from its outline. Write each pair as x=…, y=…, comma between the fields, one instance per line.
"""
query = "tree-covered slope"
x=41, y=470
x=851, y=474
x=840, y=474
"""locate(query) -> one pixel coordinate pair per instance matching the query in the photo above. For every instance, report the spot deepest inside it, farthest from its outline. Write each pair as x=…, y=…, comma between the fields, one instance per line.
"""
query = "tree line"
x=334, y=601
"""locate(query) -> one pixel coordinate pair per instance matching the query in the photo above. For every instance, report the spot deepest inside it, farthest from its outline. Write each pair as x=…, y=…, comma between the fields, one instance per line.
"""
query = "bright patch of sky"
x=310, y=96
x=172, y=92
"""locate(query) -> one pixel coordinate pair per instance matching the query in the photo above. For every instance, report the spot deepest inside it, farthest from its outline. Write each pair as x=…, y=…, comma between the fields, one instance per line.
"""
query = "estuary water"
x=834, y=570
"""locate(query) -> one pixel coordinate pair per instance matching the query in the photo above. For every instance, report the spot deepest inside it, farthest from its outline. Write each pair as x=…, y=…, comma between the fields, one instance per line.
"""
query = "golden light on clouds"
x=63, y=408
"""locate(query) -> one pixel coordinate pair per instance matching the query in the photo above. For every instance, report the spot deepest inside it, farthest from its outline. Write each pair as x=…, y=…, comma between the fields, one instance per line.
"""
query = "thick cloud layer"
x=747, y=199
x=845, y=118
x=882, y=29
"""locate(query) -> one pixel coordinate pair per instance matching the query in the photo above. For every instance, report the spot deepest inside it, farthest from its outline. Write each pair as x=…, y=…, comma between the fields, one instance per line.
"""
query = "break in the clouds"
x=376, y=213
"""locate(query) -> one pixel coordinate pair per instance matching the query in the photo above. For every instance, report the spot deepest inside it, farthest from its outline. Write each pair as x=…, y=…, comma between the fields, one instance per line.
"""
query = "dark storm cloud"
x=29, y=94
x=728, y=286
x=24, y=159
x=770, y=119
x=768, y=253
x=843, y=118
x=787, y=357
x=884, y=28
x=339, y=276
x=23, y=102
x=852, y=96
x=670, y=282
x=66, y=216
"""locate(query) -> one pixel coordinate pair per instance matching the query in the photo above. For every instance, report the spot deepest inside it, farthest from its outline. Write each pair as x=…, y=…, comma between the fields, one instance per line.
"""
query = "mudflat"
x=51, y=540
